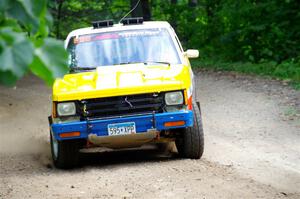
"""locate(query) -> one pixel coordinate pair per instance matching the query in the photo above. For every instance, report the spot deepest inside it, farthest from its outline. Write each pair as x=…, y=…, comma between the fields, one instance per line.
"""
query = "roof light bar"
x=102, y=24
x=130, y=21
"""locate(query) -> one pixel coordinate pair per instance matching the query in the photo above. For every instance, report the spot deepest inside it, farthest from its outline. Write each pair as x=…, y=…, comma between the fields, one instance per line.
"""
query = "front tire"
x=65, y=154
x=190, y=144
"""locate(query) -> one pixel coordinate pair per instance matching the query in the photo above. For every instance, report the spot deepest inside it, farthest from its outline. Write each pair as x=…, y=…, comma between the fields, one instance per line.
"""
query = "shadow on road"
x=129, y=156
x=41, y=162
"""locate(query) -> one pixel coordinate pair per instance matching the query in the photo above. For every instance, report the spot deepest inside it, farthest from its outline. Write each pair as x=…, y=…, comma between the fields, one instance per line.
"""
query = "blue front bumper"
x=143, y=123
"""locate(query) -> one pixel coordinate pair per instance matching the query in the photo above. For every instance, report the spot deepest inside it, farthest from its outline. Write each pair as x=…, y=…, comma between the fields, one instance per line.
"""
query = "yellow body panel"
x=122, y=80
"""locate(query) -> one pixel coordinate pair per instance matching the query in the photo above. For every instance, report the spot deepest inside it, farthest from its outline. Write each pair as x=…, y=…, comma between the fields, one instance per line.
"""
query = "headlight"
x=66, y=108
x=174, y=98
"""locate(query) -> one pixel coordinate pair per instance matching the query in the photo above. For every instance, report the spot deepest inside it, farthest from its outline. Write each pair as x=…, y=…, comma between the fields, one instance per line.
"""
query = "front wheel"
x=65, y=154
x=190, y=144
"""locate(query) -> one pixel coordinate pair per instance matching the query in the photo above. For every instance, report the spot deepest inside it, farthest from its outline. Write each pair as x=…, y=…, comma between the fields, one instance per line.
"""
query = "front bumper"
x=144, y=123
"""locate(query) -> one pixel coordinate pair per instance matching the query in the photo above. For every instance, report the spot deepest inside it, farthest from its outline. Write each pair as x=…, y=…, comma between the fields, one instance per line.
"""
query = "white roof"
x=118, y=27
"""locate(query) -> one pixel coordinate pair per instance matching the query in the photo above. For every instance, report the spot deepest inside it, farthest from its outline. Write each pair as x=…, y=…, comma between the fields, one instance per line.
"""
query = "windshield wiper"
x=159, y=62
x=123, y=63
x=146, y=63
x=73, y=69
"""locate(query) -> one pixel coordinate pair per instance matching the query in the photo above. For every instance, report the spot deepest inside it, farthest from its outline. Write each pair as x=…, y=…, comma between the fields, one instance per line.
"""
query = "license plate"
x=121, y=128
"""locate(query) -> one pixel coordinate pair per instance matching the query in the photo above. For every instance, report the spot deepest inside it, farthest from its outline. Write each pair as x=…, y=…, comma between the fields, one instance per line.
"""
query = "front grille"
x=121, y=105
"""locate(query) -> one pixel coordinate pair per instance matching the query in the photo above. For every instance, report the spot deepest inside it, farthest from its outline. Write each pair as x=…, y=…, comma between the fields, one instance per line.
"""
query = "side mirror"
x=192, y=53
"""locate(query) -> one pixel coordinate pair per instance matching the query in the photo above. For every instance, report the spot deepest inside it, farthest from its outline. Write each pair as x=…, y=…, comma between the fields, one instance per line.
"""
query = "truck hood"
x=121, y=80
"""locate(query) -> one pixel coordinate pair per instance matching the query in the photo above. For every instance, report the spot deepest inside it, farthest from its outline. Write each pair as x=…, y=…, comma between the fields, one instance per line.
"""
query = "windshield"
x=130, y=46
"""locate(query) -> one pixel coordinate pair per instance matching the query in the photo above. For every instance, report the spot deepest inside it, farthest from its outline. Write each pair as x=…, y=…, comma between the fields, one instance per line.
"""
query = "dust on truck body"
x=129, y=84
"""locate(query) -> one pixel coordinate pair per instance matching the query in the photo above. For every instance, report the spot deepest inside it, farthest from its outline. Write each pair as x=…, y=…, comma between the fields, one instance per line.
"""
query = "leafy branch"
x=25, y=45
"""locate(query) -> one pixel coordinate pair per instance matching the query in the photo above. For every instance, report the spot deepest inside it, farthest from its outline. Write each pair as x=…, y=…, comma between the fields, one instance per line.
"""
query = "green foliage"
x=258, y=31
x=49, y=60
x=24, y=45
x=17, y=52
x=249, y=36
x=246, y=30
x=288, y=70
x=76, y=14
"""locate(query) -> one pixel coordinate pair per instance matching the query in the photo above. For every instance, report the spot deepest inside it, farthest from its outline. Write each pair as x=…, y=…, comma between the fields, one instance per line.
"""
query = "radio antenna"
x=130, y=11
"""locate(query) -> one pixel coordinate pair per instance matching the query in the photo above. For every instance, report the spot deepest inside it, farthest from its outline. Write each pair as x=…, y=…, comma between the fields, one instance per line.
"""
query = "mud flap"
x=198, y=105
x=50, y=120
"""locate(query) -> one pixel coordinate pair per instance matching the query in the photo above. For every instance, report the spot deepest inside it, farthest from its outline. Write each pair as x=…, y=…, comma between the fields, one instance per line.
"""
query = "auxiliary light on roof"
x=102, y=24
x=132, y=21
x=125, y=21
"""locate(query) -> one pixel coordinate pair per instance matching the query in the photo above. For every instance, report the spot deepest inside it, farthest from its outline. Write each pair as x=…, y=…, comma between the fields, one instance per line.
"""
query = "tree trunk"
x=146, y=10
x=211, y=9
x=173, y=18
x=58, y=18
x=193, y=3
x=142, y=10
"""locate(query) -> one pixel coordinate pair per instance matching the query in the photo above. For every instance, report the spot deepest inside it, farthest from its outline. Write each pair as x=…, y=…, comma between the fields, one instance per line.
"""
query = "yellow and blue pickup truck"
x=129, y=84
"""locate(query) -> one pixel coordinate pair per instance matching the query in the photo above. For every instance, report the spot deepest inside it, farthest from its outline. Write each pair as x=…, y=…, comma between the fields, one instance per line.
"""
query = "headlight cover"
x=66, y=108
x=174, y=98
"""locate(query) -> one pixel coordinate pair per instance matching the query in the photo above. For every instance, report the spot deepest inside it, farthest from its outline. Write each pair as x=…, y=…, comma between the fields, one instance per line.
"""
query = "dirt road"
x=252, y=136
